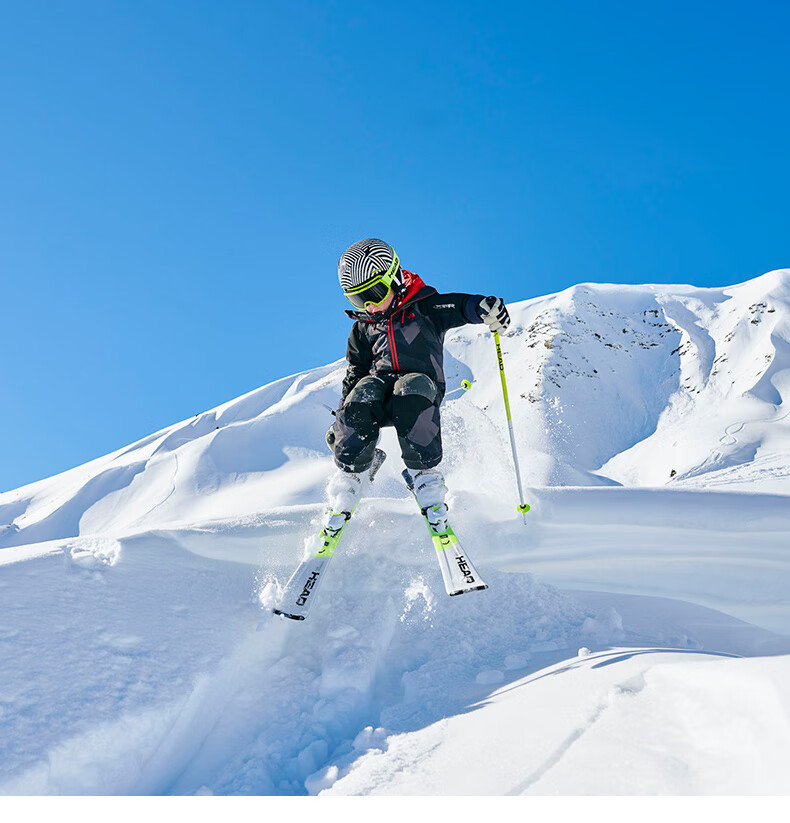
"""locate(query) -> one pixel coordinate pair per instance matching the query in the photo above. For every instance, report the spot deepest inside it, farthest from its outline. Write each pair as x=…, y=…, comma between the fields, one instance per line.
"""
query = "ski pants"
x=409, y=402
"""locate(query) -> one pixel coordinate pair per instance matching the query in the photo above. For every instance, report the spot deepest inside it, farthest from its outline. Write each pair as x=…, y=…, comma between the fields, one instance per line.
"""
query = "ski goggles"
x=376, y=290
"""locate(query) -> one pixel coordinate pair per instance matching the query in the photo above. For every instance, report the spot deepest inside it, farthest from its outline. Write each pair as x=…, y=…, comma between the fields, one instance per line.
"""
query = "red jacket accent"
x=412, y=283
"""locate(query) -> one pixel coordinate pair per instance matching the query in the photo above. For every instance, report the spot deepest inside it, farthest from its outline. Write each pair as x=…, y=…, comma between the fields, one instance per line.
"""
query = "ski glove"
x=494, y=314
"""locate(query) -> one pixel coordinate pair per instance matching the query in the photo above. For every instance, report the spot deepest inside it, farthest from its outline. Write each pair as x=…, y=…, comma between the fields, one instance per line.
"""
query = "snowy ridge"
x=649, y=591
x=640, y=384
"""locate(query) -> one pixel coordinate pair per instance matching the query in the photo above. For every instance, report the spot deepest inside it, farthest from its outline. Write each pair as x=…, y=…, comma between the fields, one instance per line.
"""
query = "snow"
x=700, y=732
x=634, y=639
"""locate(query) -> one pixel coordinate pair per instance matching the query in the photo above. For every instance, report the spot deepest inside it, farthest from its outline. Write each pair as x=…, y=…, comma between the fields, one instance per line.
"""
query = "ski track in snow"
x=630, y=687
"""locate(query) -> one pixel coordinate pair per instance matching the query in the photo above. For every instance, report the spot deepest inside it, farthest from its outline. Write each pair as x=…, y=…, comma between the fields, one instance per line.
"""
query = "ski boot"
x=430, y=492
x=346, y=489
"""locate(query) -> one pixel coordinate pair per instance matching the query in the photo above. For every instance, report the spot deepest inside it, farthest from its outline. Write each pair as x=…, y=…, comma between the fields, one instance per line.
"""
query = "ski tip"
x=286, y=614
x=379, y=456
x=479, y=588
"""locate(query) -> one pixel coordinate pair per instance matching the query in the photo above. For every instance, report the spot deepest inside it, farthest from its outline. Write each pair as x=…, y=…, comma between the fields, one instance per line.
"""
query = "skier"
x=395, y=374
x=395, y=377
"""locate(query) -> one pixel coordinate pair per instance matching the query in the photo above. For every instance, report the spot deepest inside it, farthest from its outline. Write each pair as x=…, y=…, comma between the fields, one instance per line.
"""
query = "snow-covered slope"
x=649, y=385
x=653, y=431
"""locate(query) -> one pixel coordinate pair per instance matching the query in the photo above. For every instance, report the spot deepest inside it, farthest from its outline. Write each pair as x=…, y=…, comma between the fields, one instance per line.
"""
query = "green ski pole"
x=522, y=507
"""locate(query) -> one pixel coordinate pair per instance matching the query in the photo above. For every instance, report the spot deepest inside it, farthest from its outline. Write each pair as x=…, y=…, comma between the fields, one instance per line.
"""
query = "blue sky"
x=178, y=179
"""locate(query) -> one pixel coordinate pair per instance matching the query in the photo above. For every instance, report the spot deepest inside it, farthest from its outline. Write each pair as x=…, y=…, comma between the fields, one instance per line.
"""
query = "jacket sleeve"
x=360, y=358
x=448, y=311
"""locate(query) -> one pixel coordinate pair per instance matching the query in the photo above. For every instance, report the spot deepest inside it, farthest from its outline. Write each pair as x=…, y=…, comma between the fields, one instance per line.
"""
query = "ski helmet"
x=367, y=271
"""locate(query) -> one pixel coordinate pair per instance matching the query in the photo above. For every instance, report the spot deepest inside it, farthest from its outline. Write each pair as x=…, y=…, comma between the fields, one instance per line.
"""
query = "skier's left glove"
x=493, y=312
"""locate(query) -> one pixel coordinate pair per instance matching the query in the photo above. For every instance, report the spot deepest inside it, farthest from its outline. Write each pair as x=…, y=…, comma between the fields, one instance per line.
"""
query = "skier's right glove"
x=494, y=314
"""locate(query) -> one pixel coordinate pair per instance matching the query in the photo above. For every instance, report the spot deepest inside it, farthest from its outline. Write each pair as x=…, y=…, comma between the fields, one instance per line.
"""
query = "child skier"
x=395, y=374
x=395, y=377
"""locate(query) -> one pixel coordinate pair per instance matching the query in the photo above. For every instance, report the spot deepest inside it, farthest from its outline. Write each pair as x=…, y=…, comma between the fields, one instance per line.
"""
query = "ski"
x=301, y=589
x=458, y=572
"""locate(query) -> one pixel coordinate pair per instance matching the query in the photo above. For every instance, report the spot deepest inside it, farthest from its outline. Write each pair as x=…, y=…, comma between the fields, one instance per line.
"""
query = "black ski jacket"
x=409, y=337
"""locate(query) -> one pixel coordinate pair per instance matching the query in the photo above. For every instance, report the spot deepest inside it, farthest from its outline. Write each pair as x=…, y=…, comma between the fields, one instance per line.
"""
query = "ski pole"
x=522, y=507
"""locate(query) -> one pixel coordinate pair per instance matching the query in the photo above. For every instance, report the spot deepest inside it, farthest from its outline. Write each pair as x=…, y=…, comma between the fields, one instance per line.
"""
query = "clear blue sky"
x=178, y=179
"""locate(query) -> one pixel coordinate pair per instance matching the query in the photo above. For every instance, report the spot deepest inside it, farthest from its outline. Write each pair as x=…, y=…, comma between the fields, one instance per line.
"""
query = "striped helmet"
x=367, y=259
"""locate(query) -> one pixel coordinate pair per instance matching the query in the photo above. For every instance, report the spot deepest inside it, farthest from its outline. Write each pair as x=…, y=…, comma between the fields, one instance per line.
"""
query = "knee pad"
x=369, y=390
x=417, y=384
x=415, y=414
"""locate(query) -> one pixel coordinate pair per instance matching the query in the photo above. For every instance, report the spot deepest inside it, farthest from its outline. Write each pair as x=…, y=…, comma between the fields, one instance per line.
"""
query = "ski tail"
x=379, y=456
x=300, y=591
x=458, y=572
